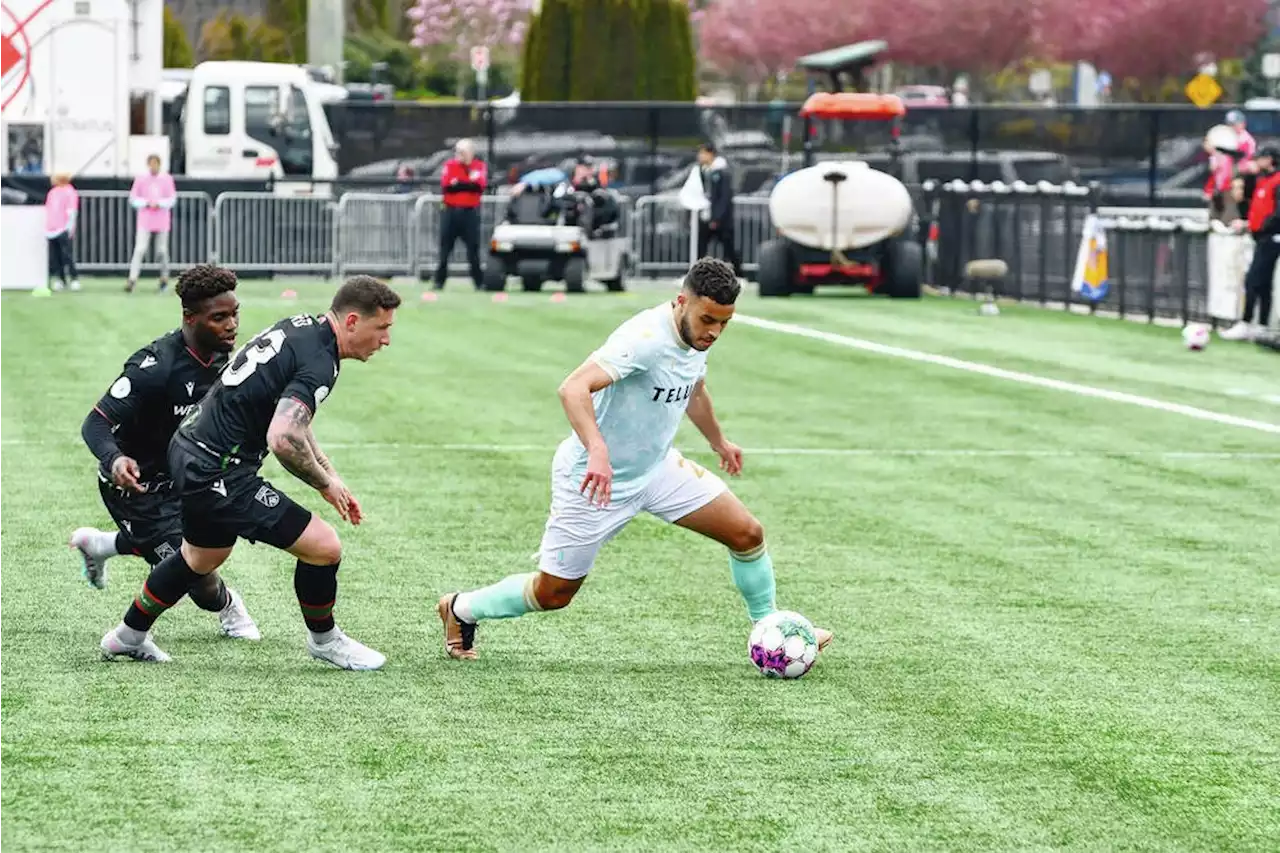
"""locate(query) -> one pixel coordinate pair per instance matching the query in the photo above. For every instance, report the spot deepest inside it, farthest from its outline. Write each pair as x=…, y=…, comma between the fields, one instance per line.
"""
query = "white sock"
x=130, y=636
x=462, y=608
x=100, y=543
x=323, y=637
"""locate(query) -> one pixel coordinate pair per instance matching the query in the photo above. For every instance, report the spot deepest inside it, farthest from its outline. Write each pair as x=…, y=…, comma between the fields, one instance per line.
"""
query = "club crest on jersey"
x=267, y=497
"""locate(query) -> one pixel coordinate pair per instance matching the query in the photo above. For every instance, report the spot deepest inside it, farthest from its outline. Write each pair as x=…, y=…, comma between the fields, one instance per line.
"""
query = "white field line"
x=1010, y=375
x=854, y=452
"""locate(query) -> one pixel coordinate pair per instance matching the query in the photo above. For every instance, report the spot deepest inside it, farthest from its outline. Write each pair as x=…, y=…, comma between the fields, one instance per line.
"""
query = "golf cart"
x=842, y=222
x=558, y=233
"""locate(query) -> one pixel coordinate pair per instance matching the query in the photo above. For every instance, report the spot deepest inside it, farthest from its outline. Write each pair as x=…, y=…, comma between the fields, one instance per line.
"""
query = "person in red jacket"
x=463, y=182
x=1264, y=224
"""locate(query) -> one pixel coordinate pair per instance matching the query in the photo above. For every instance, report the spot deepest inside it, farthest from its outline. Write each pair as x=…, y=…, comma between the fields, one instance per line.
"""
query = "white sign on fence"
x=1271, y=65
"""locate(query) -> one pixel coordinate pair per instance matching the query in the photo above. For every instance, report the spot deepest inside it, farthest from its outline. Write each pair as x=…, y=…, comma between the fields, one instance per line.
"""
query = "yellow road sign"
x=1203, y=90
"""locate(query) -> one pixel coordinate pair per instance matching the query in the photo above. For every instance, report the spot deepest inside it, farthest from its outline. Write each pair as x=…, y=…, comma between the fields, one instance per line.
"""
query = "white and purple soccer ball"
x=1195, y=336
x=783, y=645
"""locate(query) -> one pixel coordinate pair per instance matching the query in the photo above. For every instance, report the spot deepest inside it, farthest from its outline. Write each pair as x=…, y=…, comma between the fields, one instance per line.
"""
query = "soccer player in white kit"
x=625, y=403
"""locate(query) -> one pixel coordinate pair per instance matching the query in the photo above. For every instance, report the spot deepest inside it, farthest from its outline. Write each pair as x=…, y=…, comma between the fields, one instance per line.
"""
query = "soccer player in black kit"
x=264, y=402
x=129, y=431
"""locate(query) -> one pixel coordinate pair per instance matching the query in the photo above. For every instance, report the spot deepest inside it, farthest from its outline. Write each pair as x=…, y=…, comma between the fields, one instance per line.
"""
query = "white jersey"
x=654, y=373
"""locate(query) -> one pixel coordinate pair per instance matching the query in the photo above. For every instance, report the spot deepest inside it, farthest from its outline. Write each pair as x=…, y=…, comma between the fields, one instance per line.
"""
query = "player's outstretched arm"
x=575, y=395
x=703, y=415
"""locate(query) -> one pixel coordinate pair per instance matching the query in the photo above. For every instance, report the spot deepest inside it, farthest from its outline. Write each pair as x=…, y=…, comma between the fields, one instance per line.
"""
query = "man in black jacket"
x=716, y=221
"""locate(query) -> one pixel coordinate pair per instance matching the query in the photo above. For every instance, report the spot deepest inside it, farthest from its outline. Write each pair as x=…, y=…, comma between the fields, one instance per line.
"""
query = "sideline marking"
x=1011, y=375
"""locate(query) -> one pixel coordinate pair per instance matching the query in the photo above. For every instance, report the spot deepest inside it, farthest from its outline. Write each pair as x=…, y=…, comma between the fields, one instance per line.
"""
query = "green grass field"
x=1056, y=616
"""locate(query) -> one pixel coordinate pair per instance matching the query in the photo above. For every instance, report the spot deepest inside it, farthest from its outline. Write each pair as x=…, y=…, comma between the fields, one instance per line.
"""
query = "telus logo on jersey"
x=671, y=395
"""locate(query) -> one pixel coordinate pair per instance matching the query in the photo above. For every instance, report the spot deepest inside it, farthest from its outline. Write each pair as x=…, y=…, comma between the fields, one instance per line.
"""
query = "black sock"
x=124, y=545
x=163, y=588
x=317, y=590
x=208, y=592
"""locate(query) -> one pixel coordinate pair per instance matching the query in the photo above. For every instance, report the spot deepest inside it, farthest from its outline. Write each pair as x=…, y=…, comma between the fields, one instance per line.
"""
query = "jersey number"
x=260, y=350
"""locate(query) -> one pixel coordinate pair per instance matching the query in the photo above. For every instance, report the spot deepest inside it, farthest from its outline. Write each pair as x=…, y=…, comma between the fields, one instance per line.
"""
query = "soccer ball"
x=783, y=645
x=1195, y=336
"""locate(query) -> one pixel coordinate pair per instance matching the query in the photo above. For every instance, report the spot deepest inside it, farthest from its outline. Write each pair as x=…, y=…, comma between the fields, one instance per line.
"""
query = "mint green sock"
x=753, y=576
x=512, y=596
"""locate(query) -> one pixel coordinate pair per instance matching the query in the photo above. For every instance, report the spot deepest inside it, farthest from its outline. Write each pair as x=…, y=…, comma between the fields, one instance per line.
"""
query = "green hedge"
x=610, y=50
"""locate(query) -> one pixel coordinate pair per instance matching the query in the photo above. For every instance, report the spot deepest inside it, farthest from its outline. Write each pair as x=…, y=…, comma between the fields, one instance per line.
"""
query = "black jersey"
x=297, y=357
x=160, y=384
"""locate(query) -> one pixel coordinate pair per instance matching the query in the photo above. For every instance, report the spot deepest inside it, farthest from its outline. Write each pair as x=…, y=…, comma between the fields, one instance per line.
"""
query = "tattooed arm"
x=290, y=438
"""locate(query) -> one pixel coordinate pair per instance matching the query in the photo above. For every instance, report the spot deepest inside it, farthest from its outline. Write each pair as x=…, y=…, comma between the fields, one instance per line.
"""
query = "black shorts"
x=219, y=507
x=151, y=522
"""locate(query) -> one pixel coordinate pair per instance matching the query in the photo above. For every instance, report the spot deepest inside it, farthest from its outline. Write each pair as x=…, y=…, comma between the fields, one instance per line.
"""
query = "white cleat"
x=1241, y=331
x=236, y=621
x=95, y=564
x=345, y=653
x=147, y=651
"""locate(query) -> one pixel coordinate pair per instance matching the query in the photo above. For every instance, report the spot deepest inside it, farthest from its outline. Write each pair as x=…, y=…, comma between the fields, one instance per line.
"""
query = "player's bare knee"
x=319, y=544
x=553, y=593
x=202, y=561
x=747, y=536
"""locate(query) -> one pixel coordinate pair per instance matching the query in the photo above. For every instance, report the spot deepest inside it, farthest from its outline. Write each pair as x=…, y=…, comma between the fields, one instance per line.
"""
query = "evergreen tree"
x=177, y=49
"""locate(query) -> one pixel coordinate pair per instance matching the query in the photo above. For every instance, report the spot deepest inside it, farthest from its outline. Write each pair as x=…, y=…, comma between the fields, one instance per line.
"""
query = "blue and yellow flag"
x=1091, y=279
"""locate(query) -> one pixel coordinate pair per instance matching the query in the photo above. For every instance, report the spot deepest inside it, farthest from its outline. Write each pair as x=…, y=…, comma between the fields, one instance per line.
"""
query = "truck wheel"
x=615, y=285
x=904, y=267
x=531, y=283
x=575, y=275
x=774, y=274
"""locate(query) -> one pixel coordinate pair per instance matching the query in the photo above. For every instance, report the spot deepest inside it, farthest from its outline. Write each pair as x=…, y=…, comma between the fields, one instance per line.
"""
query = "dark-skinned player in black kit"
x=264, y=402
x=129, y=432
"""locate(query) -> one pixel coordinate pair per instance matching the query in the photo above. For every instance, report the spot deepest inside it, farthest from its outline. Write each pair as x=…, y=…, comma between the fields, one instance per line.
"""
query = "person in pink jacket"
x=61, y=208
x=153, y=196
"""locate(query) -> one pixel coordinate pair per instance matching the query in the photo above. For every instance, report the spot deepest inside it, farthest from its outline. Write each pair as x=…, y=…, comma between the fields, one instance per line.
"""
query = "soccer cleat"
x=147, y=651
x=236, y=621
x=345, y=653
x=459, y=637
x=95, y=564
x=824, y=637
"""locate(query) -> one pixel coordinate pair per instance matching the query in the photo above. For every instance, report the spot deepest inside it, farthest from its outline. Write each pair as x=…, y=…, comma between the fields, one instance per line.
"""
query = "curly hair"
x=714, y=279
x=202, y=282
x=364, y=294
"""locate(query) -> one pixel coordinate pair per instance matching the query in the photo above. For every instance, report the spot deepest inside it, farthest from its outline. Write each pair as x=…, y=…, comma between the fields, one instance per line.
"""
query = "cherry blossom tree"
x=1153, y=39
x=464, y=24
x=754, y=39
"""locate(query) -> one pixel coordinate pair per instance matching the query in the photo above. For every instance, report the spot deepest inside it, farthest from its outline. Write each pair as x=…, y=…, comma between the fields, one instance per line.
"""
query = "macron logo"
x=148, y=361
x=191, y=388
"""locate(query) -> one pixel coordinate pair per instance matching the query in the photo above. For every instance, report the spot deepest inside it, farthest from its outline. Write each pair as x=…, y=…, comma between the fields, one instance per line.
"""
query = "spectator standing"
x=463, y=182
x=61, y=210
x=716, y=222
x=1264, y=225
x=153, y=195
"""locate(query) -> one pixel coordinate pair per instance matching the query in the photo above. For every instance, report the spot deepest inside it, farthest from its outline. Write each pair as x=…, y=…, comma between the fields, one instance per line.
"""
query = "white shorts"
x=576, y=530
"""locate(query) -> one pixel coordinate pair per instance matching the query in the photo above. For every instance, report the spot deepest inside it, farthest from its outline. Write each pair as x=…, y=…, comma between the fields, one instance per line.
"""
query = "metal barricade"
x=107, y=228
x=377, y=234
x=660, y=235
x=261, y=232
